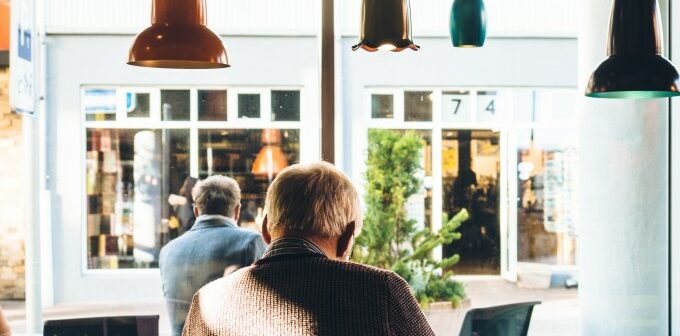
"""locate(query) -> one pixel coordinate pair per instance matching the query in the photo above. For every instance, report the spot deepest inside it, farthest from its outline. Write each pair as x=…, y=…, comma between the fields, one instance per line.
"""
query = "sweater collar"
x=292, y=246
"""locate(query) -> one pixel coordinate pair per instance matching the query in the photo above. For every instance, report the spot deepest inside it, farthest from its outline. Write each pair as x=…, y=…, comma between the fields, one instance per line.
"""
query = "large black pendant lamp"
x=635, y=68
x=178, y=38
x=386, y=25
x=468, y=23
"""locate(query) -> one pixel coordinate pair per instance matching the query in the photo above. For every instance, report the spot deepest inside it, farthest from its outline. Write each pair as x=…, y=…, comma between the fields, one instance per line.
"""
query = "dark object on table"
x=506, y=320
x=109, y=326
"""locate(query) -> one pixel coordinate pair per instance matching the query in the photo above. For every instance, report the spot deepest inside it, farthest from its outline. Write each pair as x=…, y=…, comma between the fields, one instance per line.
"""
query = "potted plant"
x=390, y=240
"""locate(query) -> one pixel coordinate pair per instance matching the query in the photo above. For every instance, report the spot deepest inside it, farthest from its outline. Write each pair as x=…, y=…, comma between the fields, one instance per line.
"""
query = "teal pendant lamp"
x=635, y=68
x=468, y=23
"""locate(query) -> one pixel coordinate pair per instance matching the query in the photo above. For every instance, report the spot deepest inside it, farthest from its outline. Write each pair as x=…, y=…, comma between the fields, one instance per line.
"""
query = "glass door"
x=471, y=180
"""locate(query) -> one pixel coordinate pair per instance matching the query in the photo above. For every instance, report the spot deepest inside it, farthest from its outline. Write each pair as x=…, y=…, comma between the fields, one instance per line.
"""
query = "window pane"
x=175, y=104
x=252, y=157
x=137, y=105
x=99, y=104
x=470, y=180
x=285, y=105
x=546, y=180
x=249, y=106
x=212, y=105
x=129, y=175
x=382, y=106
x=456, y=106
x=490, y=106
x=418, y=105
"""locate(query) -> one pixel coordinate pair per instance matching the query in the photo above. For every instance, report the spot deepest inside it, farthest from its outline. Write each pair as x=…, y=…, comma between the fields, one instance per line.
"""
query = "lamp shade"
x=635, y=68
x=178, y=38
x=385, y=25
x=269, y=161
x=468, y=23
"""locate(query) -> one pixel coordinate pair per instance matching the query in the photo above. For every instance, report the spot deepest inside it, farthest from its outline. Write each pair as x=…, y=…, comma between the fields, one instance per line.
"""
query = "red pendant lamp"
x=270, y=160
x=178, y=38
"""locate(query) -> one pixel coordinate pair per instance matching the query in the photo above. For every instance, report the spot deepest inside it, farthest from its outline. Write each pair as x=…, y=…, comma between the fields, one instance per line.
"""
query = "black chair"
x=104, y=326
x=507, y=320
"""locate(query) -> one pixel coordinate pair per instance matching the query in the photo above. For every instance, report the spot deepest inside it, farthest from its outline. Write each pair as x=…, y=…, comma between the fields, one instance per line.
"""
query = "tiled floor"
x=557, y=315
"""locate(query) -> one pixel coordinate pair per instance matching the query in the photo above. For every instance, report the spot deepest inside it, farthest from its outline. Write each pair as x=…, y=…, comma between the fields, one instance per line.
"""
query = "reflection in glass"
x=175, y=104
x=249, y=105
x=471, y=174
x=129, y=175
x=234, y=153
x=212, y=105
x=285, y=105
x=547, y=200
x=137, y=105
x=382, y=106
x=418, y=105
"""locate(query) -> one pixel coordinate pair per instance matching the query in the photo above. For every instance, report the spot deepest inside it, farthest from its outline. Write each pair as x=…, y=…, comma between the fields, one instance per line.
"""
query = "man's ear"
x=345, y=241
x=265, y=231
x=237, y=212
x=196, y=214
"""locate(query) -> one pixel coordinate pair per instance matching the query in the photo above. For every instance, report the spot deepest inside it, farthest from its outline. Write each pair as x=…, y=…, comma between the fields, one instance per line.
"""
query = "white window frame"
x=507, y=130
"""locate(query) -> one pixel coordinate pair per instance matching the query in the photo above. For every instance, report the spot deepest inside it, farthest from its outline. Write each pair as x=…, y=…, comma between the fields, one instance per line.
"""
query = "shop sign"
x=22, y=55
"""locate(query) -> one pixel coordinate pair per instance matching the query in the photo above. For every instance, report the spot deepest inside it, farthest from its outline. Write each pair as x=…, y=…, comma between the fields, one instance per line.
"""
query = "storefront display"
x=134, y=173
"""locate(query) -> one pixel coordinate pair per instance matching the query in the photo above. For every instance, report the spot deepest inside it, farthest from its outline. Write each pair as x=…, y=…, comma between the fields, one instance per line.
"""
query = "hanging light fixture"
x=385, y=25
x=178, y=38
x=635, y=68
x=468, y=23
x=270, y=160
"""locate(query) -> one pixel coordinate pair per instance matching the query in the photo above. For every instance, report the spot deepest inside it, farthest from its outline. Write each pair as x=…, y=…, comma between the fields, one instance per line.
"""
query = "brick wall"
x=12, y=283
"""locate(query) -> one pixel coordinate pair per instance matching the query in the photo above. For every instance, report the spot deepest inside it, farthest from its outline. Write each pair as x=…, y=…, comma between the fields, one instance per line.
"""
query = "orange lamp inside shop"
x=4, y=25
x=271, y=159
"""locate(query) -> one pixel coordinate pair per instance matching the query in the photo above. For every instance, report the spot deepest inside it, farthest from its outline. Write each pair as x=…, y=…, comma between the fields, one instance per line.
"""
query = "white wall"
x=623, y=245
x=81, y=60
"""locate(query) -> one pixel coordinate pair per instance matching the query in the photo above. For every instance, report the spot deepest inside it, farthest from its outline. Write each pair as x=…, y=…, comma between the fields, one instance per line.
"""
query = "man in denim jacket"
x=214, y=247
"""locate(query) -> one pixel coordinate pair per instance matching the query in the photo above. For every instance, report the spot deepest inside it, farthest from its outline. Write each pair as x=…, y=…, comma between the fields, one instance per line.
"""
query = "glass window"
x=99, y=104
x=382, y=106
x=490, y=106
x=138, y=105
x=129, y=175
x=175, y=104
x=249, y=105
x=456, y=106
x=470, y=180
x=252, y=157
x=285, y=105
x=547, y=199
x=212, y=105
x=418, y=105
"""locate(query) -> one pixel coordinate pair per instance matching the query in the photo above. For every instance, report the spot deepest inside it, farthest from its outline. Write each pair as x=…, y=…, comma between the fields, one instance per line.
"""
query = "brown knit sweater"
x=306, y=295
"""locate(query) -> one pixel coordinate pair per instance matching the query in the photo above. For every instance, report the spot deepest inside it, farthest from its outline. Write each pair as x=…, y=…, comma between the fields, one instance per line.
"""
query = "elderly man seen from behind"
x=305, y=284
x=213, y=246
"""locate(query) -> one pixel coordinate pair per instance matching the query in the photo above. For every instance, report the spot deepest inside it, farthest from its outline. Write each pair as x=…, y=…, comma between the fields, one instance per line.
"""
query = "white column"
x=623, y=246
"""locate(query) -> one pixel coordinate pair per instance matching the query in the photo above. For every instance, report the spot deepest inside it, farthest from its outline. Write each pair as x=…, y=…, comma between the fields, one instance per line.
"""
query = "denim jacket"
x=214, y=244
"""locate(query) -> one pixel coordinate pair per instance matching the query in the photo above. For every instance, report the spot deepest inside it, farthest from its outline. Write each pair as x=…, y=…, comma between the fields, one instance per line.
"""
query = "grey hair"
x=316, y=199
x=216, y=195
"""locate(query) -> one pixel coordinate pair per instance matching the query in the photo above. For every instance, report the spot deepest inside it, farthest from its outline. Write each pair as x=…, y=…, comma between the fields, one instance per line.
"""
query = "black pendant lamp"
x=468, y=23
x=178, y=38
x=635, y=68
x=386, y=25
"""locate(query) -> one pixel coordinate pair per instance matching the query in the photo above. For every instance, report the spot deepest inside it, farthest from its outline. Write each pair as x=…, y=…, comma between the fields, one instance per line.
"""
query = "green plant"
x=392, y=241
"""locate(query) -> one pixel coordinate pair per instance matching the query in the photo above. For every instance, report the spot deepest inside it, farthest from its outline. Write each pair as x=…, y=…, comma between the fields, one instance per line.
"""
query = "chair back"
x=104, y=326
x=506, y=320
